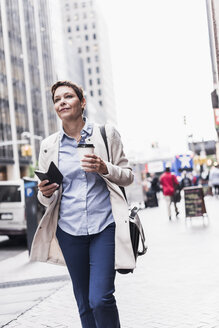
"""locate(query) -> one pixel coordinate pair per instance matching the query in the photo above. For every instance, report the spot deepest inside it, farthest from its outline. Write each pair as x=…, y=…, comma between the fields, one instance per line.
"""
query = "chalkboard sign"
x=194, y=201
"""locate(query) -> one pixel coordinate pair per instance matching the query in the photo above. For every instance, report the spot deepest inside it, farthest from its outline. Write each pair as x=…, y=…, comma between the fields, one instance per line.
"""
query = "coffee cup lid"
x=85, y=146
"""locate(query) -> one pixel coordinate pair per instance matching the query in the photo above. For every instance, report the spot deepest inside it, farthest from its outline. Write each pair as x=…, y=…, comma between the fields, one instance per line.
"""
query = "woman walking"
x=85, y=225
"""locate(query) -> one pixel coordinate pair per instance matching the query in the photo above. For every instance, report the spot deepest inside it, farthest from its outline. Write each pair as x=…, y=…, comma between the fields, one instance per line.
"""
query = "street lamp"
x=12, y=142
x=30, y=151
x=27, y=135
x=26, y=150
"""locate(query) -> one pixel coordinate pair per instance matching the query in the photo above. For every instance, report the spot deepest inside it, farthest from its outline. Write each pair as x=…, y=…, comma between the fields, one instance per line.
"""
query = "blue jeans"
x=90, y=262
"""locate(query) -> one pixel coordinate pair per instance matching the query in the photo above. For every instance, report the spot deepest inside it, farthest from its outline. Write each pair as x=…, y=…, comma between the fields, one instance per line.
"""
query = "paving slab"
x=175, y=284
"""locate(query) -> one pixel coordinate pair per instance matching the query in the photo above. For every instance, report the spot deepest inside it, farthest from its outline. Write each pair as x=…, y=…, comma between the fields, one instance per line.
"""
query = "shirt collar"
x=87, y=129
x=88, y=126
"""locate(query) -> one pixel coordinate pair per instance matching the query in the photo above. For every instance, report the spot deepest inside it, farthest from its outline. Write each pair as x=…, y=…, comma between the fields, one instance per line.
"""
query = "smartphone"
x=53, y=175
x=42, y=176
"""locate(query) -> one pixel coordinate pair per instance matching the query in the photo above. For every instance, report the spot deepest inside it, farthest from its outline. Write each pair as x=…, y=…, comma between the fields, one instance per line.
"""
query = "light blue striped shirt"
x=85, y=205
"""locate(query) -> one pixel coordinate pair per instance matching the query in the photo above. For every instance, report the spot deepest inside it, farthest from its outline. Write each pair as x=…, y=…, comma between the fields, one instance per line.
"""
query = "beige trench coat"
x=45, y=246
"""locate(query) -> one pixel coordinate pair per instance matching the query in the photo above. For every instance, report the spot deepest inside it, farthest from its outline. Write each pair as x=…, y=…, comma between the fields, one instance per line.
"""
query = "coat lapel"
x=51, y=150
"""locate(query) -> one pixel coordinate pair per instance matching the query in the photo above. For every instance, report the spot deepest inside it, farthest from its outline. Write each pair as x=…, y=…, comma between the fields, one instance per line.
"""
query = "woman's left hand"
x=93, y=163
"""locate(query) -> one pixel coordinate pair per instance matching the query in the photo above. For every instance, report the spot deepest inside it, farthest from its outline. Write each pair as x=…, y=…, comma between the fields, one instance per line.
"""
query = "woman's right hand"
x=48, y=190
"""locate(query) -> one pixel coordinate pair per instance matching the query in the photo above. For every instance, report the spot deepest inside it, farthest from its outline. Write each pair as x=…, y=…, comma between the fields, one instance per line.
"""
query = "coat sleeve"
x=46, y=201
x=119, y=170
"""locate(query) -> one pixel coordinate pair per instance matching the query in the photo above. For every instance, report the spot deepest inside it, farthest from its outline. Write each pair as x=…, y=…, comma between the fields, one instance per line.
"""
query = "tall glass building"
x=86, y=33
x=26, y=75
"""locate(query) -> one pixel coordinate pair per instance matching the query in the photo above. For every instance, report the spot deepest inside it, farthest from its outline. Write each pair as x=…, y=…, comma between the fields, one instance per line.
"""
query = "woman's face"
x=67, y=104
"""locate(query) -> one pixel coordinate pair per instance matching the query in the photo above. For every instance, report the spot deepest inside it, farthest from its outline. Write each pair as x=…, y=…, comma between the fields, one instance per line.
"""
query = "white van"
x=13, y=220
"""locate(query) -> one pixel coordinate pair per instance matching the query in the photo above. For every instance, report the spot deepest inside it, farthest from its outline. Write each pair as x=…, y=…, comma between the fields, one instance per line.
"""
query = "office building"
x=68, y=64
x=85, y=32
x=26, y=74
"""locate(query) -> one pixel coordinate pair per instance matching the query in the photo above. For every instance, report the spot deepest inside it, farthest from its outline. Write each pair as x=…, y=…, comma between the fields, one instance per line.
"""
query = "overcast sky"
x=162, y=71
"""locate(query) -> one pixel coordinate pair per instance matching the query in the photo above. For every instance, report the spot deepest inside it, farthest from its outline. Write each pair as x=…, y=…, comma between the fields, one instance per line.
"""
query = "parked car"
x=13, y=202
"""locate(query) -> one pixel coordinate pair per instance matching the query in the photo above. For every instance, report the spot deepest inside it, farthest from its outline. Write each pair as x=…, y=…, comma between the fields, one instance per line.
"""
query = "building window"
x=76, y=17
x=100, y=103
x=90, y=82
x=96, y=58
x=69, y=29
x=93, y=25
x=86, y=37
x=94, y=36
x=98, y=81
x=83, y=4
x=68, y=19
x=77, y=28
x=87, y=48
x=95, y=47
x=97, y=69
x=89, y=71
x=99, y=92
x=91, y=93
x=67, y=6
x=84, y=15
x=85, y=26
x=79, y=50
x=88, y=60
x=75, y=5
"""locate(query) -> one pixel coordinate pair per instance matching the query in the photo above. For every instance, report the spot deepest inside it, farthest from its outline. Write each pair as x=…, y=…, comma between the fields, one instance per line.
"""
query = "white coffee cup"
x=85, y=149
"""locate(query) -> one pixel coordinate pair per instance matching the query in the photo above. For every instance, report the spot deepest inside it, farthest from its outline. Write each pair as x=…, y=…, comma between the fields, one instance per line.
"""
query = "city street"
x=175, y=285
x=133, y=87
x=9, y=248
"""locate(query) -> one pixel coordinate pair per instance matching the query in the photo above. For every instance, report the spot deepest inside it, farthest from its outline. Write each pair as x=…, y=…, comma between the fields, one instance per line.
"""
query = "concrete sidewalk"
x=176, y=284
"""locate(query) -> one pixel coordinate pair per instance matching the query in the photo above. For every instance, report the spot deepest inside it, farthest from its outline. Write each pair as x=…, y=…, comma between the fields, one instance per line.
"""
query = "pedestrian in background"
x=146, y=185
x=155, y=185
x=214, y=178
x=185, y=181
x=85, y=225
x=195, y=178
x=169, y=183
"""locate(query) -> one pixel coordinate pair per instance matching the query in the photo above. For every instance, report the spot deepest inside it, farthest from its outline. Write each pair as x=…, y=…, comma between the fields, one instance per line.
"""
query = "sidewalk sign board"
x=194, y=202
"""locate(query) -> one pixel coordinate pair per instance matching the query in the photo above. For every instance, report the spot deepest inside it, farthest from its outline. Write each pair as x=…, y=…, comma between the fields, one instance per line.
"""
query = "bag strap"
x=174, y=185
x=103, y=134
x=135, y=209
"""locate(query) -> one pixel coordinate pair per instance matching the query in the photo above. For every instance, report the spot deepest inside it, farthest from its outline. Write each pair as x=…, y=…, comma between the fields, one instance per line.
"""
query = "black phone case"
x=53, y=175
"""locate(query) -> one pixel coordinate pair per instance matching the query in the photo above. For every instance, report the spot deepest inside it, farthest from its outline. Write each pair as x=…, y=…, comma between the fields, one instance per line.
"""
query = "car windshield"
x=10, y=194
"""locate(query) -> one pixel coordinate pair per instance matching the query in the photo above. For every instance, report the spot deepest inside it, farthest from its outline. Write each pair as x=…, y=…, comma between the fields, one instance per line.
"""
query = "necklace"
x=78, y=139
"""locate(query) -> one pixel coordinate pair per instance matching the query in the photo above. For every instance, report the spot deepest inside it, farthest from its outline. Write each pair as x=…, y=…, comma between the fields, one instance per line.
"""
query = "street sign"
x=181, y=163
x=194, y=202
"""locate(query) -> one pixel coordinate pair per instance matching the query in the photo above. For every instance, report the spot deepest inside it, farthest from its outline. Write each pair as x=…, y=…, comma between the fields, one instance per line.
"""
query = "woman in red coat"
x=169, y=182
